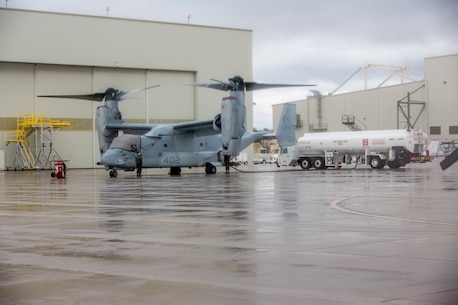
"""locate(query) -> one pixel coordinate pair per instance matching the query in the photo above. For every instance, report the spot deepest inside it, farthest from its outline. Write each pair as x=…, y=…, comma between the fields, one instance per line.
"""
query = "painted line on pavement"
x=338, y=204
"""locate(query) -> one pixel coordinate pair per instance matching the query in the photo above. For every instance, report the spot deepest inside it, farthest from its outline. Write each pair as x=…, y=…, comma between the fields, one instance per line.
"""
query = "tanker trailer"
x=376, y=148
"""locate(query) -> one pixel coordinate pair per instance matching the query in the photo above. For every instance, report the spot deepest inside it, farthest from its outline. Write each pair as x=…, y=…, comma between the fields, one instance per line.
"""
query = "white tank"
x=356, y=142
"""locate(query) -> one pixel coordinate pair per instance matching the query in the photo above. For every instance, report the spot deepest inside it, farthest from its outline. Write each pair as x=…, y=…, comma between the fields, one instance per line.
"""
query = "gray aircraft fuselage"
x=176, y=150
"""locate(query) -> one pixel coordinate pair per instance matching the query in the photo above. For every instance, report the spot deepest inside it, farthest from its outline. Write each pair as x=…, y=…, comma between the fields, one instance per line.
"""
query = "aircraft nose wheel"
x=113, y=173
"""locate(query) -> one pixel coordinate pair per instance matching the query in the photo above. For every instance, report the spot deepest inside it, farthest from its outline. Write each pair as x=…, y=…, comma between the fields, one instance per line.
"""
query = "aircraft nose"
x=114, y=157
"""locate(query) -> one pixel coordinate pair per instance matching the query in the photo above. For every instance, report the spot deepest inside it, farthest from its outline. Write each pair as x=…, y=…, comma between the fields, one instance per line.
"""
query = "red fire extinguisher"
x=60, y=169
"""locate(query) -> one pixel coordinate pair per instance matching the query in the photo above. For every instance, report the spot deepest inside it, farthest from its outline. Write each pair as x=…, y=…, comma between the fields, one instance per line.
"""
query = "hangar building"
x=52, y=53
x=430, y=105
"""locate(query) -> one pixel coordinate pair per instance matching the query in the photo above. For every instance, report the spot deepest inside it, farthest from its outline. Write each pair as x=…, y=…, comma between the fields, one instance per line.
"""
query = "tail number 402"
x=171, y=160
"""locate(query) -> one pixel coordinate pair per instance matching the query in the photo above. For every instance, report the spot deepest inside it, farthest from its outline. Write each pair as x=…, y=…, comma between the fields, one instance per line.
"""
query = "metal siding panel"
x=17, y=88
x=173, y=100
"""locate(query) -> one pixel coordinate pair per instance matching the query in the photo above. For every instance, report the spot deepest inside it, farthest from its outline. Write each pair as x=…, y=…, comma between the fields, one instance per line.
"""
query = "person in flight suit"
x=139, y=161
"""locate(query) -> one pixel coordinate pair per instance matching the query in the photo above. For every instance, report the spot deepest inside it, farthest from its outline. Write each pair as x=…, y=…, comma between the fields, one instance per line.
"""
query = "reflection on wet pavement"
x=292, y=237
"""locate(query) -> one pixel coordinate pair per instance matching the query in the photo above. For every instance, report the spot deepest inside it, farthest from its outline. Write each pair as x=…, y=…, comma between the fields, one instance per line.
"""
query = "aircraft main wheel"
x=305, y=163
x=210, y=169
x=318, y=163
x=175, y=171
x=113, y=173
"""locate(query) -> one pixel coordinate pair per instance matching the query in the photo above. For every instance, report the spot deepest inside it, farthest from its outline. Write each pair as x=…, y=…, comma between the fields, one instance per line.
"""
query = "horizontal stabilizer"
x=249, y=138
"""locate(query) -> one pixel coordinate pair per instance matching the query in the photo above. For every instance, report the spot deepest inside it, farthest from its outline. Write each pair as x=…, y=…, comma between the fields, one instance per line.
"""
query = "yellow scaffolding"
x=43, y=127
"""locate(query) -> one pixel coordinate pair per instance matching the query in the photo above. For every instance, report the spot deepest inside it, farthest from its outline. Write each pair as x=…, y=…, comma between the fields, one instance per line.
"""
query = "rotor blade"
x=98, y=97
x=251, y=86
x=218, y=86
x=122, y=94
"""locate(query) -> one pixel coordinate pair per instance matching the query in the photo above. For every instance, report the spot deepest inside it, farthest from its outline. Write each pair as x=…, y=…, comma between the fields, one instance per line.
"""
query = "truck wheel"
x=376, y=162
x=305, y=163
x=394, y=164
x=318, y=163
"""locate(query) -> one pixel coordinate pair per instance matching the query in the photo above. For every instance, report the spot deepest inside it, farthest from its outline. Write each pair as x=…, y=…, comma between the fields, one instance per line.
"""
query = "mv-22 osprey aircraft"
x=203, y=143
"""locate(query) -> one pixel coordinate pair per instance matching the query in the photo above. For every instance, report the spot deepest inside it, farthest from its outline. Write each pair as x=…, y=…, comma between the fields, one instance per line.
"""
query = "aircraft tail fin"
x=286, y=135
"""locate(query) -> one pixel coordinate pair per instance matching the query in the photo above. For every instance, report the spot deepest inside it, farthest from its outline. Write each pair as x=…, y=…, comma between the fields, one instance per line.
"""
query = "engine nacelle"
x=106, y=114
x=217, y=122
x=233, y=124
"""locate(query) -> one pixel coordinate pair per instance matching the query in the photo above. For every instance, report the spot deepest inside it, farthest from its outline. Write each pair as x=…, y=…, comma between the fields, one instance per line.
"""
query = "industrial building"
x=46, y=53
x=430, y=104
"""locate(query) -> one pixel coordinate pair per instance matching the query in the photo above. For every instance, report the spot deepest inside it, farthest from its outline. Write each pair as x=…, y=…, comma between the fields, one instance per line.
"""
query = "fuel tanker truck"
x=376, y=148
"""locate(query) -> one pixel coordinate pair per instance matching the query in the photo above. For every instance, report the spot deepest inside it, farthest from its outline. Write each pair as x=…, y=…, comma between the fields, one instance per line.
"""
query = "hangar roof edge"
x=125, y=19
x=441, y=56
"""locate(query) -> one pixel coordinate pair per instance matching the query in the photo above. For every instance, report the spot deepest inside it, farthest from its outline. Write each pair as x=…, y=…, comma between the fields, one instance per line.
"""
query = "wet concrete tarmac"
x=292, y=237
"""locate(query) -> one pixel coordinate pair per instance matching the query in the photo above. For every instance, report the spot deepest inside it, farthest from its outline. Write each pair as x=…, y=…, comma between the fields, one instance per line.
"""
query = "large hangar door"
x=173, y=100
x=77, y=142
x=63, y=80
x=133, y=108
x=17, y=89
x=17, y=98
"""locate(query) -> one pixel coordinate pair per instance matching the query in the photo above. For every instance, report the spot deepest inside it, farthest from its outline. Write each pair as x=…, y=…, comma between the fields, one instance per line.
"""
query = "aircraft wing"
x=194, y=125
x=200, y=128
x=203, y=127
x=130, y=128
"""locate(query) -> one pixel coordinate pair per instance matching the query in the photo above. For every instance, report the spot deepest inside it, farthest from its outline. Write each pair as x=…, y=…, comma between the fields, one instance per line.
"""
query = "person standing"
x=139, y=161
x=335, y=157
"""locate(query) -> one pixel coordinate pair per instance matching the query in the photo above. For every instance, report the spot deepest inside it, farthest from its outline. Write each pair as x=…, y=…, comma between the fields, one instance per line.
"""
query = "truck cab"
x=287, y=156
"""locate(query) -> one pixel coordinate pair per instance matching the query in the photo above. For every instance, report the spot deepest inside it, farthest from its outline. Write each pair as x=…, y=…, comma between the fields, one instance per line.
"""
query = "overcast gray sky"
x=302, y=41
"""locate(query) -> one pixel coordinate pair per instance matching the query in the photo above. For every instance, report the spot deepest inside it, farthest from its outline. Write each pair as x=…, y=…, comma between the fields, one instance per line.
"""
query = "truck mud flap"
x=452, y=158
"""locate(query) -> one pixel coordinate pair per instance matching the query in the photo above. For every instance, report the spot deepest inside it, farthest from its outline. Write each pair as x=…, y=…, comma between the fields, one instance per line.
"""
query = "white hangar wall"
x=434, y=105
x=441, y=74
x=65, y=39
x=373, y=109
x=49, y=54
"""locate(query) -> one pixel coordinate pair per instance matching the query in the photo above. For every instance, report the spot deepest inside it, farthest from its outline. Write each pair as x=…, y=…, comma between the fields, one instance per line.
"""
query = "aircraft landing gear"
x=113, y=173
x=210, y=169
x=175, y=171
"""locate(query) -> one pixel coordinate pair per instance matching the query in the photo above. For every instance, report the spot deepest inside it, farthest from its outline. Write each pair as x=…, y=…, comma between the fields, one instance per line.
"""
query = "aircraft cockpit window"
x=126, y=142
